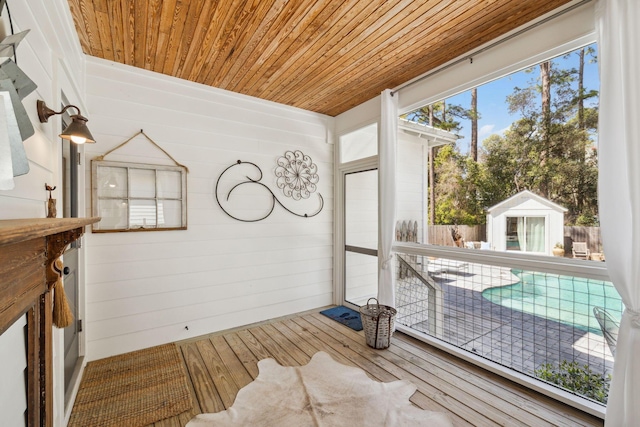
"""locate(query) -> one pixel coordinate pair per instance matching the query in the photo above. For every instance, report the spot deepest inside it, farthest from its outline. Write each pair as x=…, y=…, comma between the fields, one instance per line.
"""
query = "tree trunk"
x=581, y=125
x=444, y=111
x=474, y=124
x=432, y=176
x=581, y=90
x=545, y=74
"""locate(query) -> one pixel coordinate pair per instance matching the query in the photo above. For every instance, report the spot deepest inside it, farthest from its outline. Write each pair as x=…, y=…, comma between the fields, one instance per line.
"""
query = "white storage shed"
x=525, y=222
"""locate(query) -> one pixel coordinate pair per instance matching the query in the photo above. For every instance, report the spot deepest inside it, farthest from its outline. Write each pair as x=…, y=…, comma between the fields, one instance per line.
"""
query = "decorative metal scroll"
x=274, y=199
x=296, y=175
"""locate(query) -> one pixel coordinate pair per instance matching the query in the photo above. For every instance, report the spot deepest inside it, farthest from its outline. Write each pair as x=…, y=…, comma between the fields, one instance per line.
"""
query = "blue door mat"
x=344, y=315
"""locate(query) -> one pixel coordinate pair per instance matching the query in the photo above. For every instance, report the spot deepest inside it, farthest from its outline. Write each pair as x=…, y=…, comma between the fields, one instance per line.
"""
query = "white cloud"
x=485, y=131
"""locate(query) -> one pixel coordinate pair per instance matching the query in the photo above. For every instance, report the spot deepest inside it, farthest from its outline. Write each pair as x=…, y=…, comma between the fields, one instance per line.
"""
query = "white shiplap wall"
x=51, y=56
x=45, y=55
x=147, y=288
x=13, y=393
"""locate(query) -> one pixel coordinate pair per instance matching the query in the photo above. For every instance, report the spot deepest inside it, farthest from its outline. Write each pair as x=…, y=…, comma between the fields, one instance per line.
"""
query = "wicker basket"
x=378, y=324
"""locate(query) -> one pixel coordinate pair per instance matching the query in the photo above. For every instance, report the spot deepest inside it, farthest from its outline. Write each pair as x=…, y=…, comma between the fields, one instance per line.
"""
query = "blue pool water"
x=569, y=300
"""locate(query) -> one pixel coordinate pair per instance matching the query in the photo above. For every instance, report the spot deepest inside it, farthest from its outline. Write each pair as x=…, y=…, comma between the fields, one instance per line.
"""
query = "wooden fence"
x=441, y=235
x=575, y=233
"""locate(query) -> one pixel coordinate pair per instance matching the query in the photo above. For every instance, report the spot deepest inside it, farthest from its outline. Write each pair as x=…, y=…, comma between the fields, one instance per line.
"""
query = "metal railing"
x=532, y=315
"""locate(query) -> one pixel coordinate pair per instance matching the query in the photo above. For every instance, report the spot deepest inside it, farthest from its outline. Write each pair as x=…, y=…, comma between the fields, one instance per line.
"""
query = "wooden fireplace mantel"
x=28, y=250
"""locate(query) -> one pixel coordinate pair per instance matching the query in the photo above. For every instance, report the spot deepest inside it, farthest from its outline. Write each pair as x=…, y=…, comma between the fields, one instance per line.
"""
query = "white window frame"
x=526, y=243
x=343, y=169
x=97, y=196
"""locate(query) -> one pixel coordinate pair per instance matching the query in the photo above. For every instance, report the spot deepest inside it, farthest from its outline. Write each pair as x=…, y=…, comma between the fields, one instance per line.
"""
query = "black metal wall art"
x=296, y=176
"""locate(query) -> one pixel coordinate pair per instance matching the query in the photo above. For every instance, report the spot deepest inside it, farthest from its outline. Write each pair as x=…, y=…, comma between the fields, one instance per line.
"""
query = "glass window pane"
x=361, y=209
x=169, y=213
x=169, y=184
x=361, y=277
x=113, y=213
x=359, y=144
x=471, y=182
x=514, y=229
x=142, y=213
x=411, y=194
x=137, y=196
x=143, y=183
x=112, y=182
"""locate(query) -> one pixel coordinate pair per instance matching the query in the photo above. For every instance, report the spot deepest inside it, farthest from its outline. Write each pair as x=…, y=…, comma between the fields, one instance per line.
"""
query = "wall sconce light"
x=76, y=132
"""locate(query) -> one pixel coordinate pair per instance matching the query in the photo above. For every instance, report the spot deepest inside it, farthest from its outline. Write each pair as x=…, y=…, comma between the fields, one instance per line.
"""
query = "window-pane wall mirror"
x=138, y=197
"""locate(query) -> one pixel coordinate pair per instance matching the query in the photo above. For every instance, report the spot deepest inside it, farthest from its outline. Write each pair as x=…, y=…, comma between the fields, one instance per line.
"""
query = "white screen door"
x=361, y=236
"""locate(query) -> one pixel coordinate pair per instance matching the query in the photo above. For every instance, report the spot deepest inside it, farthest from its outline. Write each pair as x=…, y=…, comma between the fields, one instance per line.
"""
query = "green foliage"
x=551, y=153
x=443, y=116
x=587, y=219
x=563, y=168
x=456, y=189
x=554, y=156
x=576, y=378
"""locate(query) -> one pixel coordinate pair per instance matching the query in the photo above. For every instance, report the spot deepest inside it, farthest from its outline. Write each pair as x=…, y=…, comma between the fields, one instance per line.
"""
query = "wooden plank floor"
x=220, y=364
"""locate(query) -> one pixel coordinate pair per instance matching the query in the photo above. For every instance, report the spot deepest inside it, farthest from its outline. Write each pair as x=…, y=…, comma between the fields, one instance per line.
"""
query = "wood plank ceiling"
x=321, y=55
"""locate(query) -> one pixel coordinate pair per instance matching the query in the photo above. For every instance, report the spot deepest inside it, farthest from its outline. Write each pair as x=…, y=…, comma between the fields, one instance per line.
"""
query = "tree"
x=473, y=150
x=433, y=151
x=457, y=183
x=440, y=116
x=545, y=90
x=547, y=150
x=584, y=124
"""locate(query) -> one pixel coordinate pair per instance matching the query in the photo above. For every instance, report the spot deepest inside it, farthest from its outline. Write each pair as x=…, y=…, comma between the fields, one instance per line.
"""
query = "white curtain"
x=387, y=143
x=520, y=231
x=535, y=234
x=619, y=191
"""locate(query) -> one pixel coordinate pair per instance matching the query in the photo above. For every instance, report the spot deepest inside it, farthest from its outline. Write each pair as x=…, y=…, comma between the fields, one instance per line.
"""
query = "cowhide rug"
x=323, y=393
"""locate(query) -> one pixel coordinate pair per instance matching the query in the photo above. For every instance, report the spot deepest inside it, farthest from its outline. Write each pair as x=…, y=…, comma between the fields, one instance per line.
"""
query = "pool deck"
x=510, y=337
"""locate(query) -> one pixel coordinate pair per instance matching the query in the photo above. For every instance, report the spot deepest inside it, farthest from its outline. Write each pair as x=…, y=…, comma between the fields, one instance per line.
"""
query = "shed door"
x=526, y=234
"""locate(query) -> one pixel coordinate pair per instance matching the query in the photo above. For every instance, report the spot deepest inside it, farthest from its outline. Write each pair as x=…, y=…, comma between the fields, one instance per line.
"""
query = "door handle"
x=66, y=271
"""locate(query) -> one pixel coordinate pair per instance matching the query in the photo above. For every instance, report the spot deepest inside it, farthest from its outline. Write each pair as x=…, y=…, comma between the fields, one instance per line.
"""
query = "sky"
x=492, y=104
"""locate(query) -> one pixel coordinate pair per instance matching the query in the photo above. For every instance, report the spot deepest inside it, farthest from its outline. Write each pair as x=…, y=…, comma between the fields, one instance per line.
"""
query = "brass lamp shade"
x=76, y=132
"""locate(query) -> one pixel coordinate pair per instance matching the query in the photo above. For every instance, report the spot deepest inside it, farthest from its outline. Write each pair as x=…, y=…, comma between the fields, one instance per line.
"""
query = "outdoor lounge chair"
x=441, y=266
x=580, y=250
x=608, y=326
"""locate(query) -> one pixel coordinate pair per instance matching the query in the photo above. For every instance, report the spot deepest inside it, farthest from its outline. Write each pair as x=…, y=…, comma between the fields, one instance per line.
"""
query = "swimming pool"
x=569, y=300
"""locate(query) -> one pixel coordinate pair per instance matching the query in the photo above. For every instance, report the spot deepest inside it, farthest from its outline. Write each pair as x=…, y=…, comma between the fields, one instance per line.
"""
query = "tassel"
x=62, y=314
